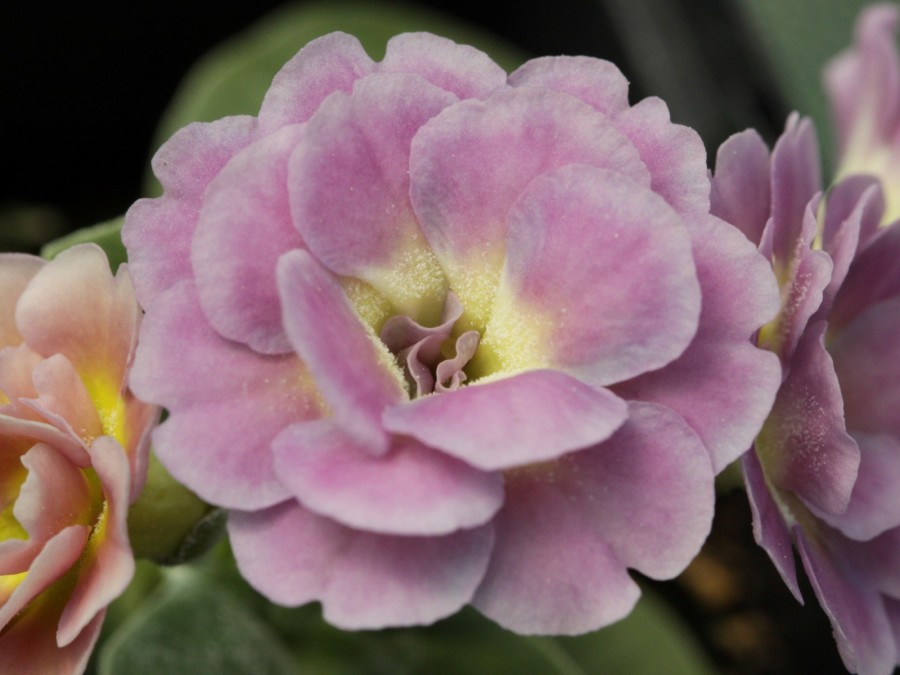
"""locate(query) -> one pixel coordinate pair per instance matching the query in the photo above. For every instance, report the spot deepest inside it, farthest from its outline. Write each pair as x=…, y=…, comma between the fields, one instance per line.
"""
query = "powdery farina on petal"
x=453, y=272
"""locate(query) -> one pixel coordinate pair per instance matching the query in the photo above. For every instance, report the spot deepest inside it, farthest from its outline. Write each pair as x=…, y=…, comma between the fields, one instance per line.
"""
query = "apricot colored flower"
x=437, y=335
x=74, y=455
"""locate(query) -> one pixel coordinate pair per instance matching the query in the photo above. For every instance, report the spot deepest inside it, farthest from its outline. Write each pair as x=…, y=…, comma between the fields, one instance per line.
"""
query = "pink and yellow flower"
x=437, y=335
x=74, y=455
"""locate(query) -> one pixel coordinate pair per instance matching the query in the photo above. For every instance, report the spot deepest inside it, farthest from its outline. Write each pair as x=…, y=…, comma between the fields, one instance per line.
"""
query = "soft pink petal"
x=796, y=178
x=804, y=443
x=674, y=154
x=459, y=69
x=16, y=367
x=739, y=294
x=411, y=490
x=530, y=417
x=875, y=503
x=247, y=204
x=108, y=564
x=552, y=570
x=649, y=489
x=24, y=430
x=493, y=150
x=54, y=495
x=861, y=627
x=325, y=65
x=57, y=556
x=867, y=360
x=632, y=249
x=879, y=560
x=75, y=307
x=598, y=83
x=349, y=179
x=16, y=271
x=349, y=367
x=157, y=232
x=64, y=401
x=741, y=186
x=363, y=580
x=769, y=527
x=228, y=403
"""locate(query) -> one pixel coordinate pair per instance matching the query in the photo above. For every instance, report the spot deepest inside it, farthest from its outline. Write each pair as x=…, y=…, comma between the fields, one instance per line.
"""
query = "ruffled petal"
x=16, y=271
x=633, y=251
x=237, y=291
x=330, y=63
x=527, y=418
x=460, y=69
x=363, y=580
x=741, y=187
x=157, y=232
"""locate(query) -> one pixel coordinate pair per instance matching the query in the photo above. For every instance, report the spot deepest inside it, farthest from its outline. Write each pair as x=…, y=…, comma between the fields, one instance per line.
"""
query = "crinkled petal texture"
x=75, y=444
x=426, y=329
x=824, y=471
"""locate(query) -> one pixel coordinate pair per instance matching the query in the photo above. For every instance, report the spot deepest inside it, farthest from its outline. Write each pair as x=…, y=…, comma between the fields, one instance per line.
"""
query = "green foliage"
x=107, y=236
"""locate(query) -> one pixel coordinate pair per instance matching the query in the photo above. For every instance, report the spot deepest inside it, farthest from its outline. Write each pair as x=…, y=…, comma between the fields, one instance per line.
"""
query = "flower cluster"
x=437, y=335
x=74, y=443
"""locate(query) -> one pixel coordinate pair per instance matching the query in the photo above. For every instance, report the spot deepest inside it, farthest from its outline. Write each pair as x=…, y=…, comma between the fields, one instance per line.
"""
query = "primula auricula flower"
x=826, y=465
x=863, y=85
x=74, y=455
x=439, y=336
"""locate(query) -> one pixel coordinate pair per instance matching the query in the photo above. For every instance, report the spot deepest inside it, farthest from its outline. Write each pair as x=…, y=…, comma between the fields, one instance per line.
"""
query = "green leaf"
x=799, y=37
x=233, y=78
x=106, y=235
x=194, y=627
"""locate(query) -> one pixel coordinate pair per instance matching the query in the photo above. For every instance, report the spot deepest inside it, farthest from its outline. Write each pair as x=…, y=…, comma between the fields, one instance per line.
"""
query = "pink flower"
x=440, y=336
x=827, y=462
x=863, y=85
x=74, y=454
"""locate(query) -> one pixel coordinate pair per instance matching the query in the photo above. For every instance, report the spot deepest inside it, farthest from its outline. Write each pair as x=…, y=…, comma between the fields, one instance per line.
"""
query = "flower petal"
x=459, y=69
x=411, y=490
x=157, y=232
x=363, y=580
x=632, y=247
x=237, y=291
x=741, y=187
x=354, y=371
x=16, y=271
x=530, y=417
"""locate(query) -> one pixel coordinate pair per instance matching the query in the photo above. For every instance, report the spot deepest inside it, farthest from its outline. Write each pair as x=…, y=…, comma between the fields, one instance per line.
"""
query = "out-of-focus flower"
x=863, y=85
x=439, y=336
x=74, y=454
x=826, y=465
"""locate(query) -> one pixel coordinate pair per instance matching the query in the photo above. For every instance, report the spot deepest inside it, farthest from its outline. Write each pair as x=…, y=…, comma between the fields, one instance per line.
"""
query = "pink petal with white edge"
x=54, y=495
x=673, y=153
x=804, y=444
x=364, y=580
x=74, y=306
x=459, y=69
x=57, y=556
x=649, y=489
x=861, y=627
x=411, y=490
x=875, y=503
x=867, y=360
x=29, y=645
x=229, y=403
x=530, y=417
x=16, y=271
x=349, y=179
x=552, y=571
x=598, y=83
x=492, y=151
x=108, y=564
x=739, y=295
x=237, y=291
x=769, y=527
x=632, y=247
x=330, y=63
x=157, y=232
x=352, y=369
x=741, y=186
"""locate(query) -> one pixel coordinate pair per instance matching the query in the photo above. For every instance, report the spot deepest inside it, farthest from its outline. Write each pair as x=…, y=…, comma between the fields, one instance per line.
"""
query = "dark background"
x=83, y=88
